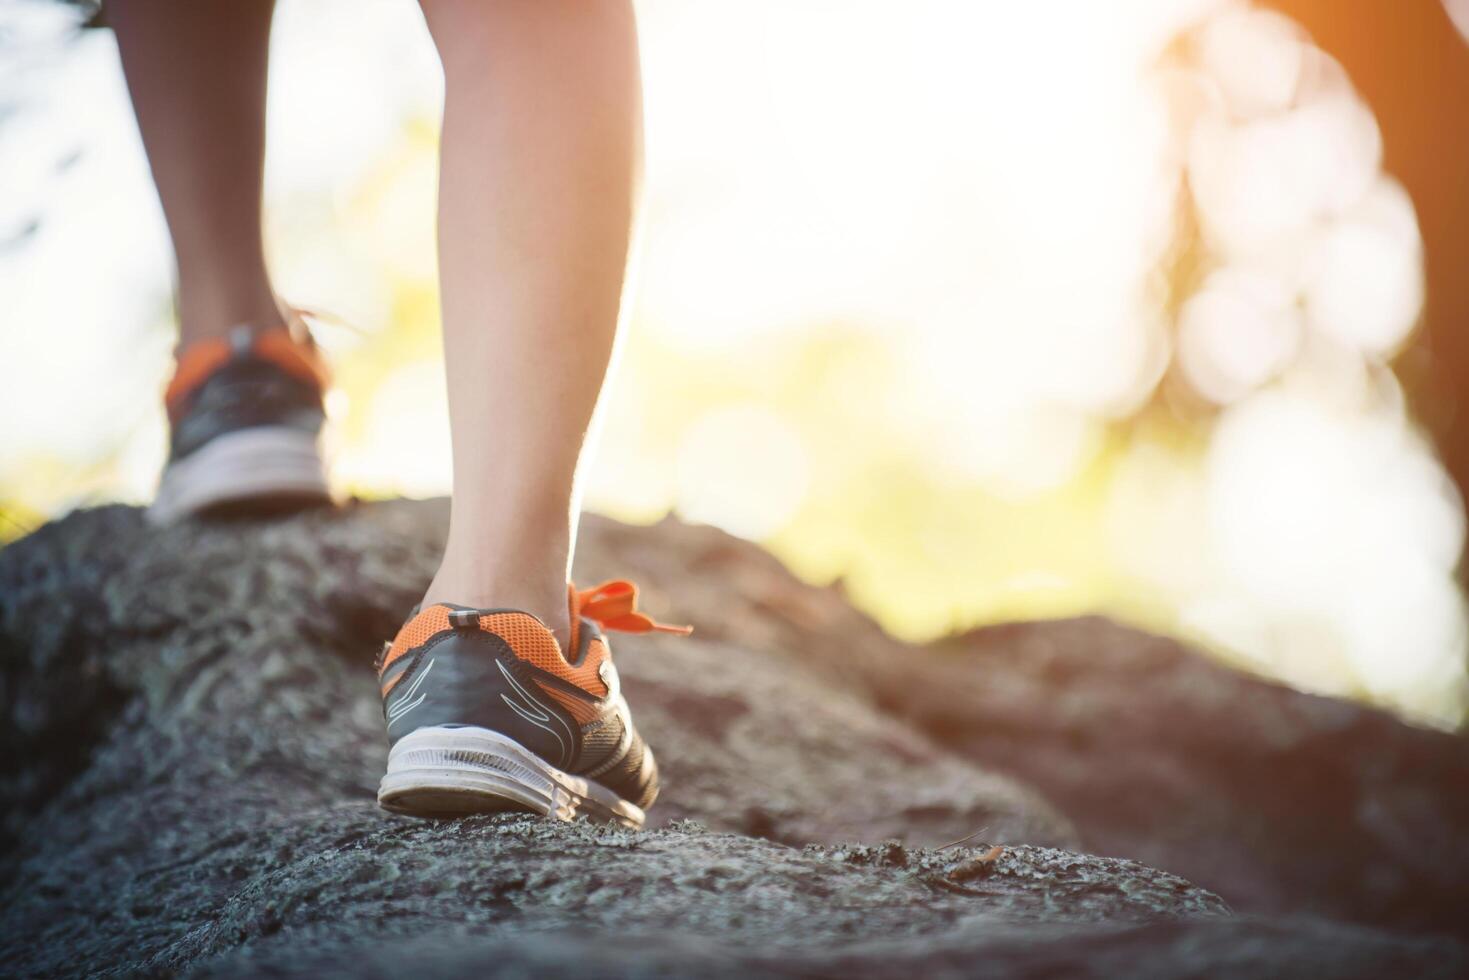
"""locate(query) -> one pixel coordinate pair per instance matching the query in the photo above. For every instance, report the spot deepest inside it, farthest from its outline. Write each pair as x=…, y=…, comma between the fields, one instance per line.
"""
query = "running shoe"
x=246, y=413
x=485, y=712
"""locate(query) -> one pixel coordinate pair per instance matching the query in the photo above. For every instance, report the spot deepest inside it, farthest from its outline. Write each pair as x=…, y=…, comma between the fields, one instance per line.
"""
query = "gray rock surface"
x=1279, y=801
x=194, y=740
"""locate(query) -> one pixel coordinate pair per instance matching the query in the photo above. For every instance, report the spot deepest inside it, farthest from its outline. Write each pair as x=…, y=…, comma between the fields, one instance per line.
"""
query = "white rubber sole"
x=252, y=464
x=444, y=772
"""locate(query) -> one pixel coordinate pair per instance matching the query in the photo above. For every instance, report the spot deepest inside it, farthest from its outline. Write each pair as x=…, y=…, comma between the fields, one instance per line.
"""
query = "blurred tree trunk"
x=1412, y=66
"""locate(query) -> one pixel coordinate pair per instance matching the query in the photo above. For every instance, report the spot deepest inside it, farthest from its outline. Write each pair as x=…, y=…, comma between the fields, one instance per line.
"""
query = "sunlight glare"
x=1269, y=178
x=1286, y=476
x=719, y=453
x=404, y=446
x=1256, y=56
x=1364, y=274
x=1237, y=332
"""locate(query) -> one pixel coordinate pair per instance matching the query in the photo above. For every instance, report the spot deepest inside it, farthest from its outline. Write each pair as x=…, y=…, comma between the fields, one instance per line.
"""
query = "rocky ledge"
x=194, y=741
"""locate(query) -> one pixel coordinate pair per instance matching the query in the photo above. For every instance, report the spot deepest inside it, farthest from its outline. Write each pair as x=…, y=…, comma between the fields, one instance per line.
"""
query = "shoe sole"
x=448, y=772
x=256, y=466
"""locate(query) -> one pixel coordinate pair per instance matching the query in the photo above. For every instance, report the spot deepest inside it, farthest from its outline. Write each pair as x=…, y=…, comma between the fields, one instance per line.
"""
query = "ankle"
x=207, y=317
x=540, y=592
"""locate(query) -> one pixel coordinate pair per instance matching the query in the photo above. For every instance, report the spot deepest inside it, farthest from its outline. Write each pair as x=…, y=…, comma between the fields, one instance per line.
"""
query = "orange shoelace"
x=613, y=605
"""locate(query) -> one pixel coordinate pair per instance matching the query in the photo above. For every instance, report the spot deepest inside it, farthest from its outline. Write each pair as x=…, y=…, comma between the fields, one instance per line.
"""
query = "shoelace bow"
x=306, y=313
x=613, y=605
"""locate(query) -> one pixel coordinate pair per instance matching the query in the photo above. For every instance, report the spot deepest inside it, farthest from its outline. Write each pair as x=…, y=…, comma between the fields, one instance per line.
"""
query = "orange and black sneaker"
x=246, y=412
x=485, y=712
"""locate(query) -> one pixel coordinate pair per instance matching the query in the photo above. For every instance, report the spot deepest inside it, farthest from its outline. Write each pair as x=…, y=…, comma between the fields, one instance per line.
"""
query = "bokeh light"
x=987, y=311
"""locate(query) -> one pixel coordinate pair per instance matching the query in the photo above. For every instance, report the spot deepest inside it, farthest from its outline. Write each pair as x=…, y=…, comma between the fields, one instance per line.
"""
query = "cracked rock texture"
x=193, y=742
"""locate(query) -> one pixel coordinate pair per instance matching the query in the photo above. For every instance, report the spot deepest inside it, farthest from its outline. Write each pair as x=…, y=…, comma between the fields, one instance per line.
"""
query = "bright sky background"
x=901, y=310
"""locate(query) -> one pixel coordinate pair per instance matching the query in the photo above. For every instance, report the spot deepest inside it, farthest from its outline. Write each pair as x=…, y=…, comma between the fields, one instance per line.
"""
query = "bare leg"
x=541, y=148
x=196, y=72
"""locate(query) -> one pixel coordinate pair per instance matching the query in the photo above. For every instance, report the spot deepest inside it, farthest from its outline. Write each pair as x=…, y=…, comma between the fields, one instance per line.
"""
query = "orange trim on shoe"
x=278, y=345
x=611, y=605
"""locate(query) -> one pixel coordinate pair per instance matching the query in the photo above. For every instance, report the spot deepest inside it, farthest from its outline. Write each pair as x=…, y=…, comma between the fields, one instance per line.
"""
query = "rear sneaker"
x=486, y=713
x=246, y=413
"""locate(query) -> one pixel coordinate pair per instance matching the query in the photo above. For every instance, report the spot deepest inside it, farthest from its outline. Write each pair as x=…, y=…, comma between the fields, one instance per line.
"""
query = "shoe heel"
x=445, y=771
x=252, y=464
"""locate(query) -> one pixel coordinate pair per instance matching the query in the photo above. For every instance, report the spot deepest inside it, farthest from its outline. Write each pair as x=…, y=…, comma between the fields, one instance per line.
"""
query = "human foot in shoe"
x=486, y=711
x=246, y=413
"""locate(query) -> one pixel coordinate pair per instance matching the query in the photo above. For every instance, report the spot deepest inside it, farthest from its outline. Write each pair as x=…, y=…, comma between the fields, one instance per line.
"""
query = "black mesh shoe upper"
x=248, y=391
x=472, y=677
